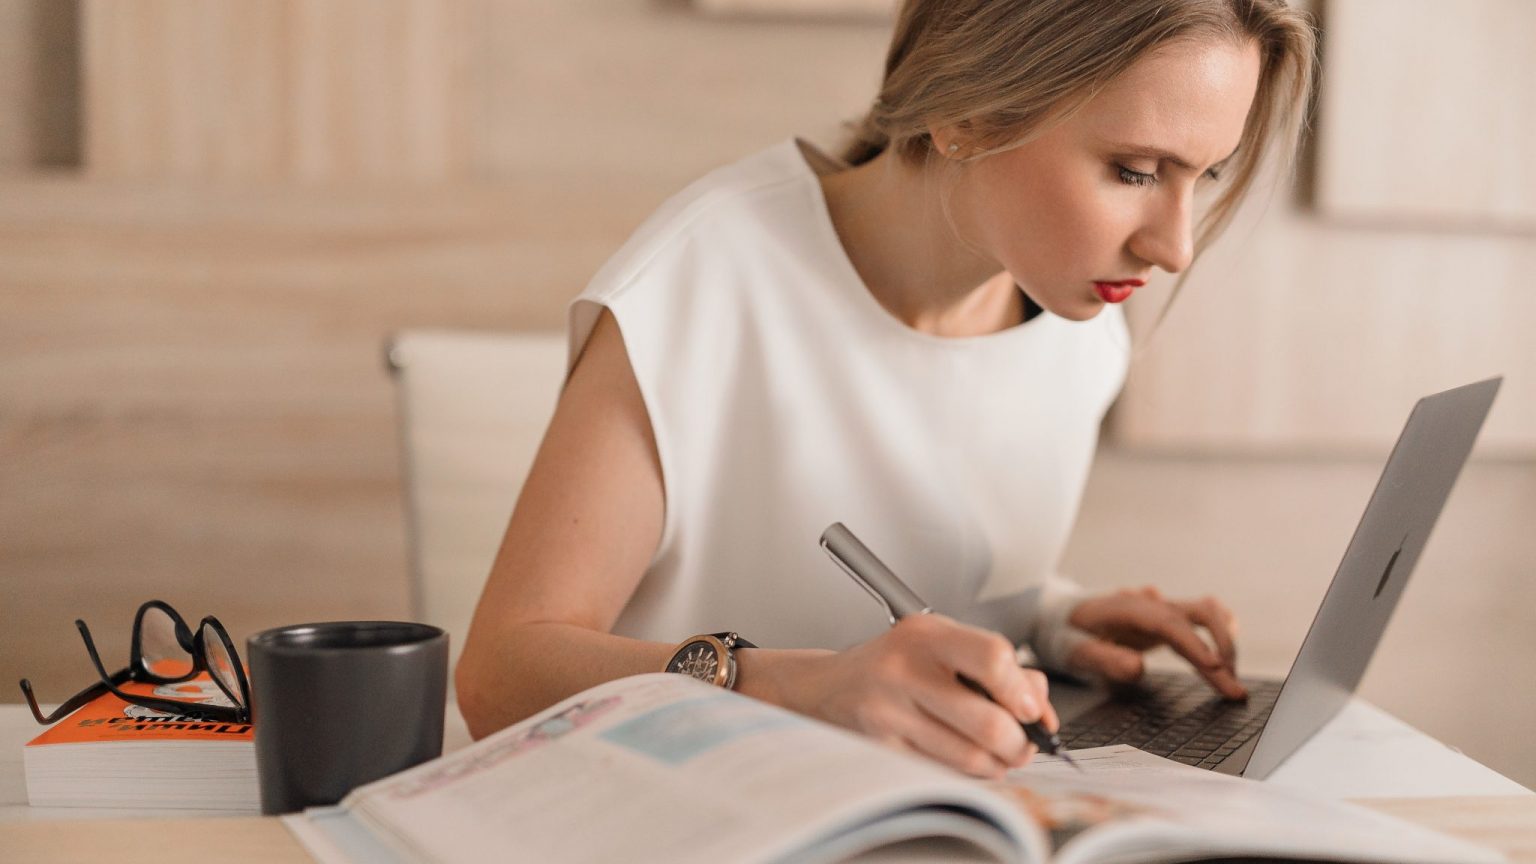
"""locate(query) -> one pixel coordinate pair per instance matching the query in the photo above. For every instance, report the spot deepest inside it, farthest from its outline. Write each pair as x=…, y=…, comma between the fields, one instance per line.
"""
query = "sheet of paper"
x=1116, y=759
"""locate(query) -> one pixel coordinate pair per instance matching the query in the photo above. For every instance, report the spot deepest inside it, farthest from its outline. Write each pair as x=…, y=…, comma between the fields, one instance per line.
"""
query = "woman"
x=920, y=343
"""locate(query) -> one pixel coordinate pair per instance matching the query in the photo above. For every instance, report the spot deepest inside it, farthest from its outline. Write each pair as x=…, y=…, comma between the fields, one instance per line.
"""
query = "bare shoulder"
x=590, y=514
x=603, y=363
x=602, y=398
x=601, y=431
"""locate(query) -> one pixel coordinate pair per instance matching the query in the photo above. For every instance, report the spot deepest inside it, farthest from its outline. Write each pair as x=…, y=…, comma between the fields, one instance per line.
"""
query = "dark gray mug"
x=343, y=703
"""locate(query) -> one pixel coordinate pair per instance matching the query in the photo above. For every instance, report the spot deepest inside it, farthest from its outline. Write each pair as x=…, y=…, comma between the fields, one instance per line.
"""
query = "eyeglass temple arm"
x=63, y=710
x=74, y=702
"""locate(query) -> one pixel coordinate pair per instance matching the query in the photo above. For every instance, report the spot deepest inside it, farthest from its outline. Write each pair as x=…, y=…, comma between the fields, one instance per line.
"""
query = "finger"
x=1040, y=689
x=1219, y=621
x=989, y=661
x=1172, y=625
x=1115, y=662
x=1225, y=683
x=980, y=721
x=1179, y=632
x=937, y=740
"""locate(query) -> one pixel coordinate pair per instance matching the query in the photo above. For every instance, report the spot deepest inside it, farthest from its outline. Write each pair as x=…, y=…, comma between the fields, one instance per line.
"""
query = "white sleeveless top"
x=784, y=398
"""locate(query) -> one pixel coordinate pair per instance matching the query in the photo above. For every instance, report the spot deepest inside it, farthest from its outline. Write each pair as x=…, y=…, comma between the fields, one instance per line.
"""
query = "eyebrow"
x=1164, y=155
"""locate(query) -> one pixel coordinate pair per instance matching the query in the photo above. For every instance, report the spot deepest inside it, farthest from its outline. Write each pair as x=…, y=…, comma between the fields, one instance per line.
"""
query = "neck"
x=889, y=216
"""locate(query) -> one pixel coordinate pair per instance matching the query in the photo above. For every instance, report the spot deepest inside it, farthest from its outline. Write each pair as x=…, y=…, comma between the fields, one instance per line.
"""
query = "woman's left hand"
x=1128, y=622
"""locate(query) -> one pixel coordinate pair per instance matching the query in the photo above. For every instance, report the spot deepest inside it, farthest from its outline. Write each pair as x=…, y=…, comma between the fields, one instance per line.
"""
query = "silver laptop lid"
x=1402, y=511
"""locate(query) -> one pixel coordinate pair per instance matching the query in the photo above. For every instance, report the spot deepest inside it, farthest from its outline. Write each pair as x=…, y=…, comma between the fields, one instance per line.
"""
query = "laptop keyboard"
x=1176, y=715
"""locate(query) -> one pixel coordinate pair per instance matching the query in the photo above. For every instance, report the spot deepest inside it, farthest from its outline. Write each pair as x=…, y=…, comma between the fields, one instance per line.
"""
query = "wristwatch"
x=709, y=657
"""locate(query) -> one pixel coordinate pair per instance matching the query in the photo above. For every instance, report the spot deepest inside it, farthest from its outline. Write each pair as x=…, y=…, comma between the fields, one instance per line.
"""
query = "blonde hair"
x=1005, y=71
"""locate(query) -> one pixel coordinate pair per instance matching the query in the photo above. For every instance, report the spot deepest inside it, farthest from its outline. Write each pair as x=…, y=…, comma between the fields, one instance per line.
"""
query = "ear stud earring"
x=952, y=149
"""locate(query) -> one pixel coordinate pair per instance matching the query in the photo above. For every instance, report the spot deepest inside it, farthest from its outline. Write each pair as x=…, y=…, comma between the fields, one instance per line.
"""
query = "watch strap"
x=732, y=639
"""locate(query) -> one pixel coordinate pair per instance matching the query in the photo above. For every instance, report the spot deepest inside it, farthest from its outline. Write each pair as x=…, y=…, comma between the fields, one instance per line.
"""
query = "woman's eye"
x=1136, y=178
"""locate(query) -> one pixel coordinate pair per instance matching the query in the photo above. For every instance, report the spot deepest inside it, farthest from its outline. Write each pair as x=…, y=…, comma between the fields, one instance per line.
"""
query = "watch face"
x=699, y=659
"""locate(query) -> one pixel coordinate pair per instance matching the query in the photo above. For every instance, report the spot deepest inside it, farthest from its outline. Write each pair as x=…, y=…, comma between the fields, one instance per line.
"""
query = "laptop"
x=1177, y=715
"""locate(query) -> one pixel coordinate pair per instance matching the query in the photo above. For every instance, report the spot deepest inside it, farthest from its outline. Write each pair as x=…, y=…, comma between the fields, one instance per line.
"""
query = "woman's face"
x=1107, y=195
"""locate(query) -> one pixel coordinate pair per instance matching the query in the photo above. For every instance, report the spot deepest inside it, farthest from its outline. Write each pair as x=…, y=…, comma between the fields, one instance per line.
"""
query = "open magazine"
x=662, y=767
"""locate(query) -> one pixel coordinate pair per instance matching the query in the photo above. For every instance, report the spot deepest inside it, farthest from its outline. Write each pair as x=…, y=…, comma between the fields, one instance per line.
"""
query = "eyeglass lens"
x=220, y=663
x=162, y=653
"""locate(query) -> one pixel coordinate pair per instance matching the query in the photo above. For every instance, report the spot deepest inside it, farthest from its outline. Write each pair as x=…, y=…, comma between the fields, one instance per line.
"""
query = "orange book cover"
x=109, y=718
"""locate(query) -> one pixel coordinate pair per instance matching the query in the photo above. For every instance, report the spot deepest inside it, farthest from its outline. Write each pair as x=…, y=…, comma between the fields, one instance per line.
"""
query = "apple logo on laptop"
x=1387, y=574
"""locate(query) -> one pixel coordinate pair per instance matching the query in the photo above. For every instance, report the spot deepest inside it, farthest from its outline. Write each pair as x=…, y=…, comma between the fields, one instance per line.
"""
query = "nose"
x=1165, y=238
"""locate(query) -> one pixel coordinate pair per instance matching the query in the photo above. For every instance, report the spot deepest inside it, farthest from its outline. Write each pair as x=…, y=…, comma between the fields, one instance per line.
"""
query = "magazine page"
x=662, y=767
x=1129, y=807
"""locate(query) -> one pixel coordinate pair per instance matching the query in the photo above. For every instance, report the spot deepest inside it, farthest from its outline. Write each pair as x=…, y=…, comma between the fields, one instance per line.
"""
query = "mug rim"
x=293, y=638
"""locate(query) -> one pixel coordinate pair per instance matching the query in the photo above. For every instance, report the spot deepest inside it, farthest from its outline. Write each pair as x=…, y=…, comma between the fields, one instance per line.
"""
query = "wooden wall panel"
x=325, y=91
x=656, y=94
x=39, y=85
x=876, y=10
x=1428, y=112
x=17, y=65
x=193, y=400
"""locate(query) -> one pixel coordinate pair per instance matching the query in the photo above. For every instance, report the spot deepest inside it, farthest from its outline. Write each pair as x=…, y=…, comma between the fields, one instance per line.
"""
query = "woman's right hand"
x=902, y=689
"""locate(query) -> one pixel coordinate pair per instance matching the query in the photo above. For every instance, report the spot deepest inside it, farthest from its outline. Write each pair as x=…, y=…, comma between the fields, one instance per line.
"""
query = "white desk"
x=1364, y=753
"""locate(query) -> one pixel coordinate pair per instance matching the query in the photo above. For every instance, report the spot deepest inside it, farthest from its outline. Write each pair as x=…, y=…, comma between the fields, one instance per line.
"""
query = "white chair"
x=472, y=409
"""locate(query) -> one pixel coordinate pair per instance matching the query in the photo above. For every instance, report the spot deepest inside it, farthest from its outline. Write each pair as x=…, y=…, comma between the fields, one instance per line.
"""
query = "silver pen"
x=899, y=601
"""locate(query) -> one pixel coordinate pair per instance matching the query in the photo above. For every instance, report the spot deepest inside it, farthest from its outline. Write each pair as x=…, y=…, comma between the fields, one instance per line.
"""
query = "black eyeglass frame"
x=139, y=670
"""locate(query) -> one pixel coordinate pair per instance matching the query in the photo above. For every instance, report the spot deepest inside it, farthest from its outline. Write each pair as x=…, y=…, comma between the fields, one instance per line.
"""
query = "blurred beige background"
x=213, y=213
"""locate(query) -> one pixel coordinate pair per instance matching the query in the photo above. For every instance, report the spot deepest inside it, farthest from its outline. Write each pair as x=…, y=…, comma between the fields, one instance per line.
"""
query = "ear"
x=950, y=141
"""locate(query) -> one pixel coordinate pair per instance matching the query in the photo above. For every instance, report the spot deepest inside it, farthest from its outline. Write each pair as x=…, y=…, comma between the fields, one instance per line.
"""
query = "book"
x=111, y=753
x=662, y=767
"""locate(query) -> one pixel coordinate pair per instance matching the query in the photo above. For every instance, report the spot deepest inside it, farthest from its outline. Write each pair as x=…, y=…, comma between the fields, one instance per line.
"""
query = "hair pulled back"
x=1004, y=70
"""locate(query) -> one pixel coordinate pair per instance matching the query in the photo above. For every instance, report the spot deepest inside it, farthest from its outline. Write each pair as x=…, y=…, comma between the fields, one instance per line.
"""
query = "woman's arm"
x=585, y=528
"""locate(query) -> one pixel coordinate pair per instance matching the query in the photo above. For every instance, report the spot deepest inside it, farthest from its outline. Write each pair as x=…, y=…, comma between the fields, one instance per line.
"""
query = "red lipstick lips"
x=1117, y=292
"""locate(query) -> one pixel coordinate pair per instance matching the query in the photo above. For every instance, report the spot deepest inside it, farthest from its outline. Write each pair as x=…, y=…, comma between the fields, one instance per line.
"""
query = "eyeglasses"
x=165, y=651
